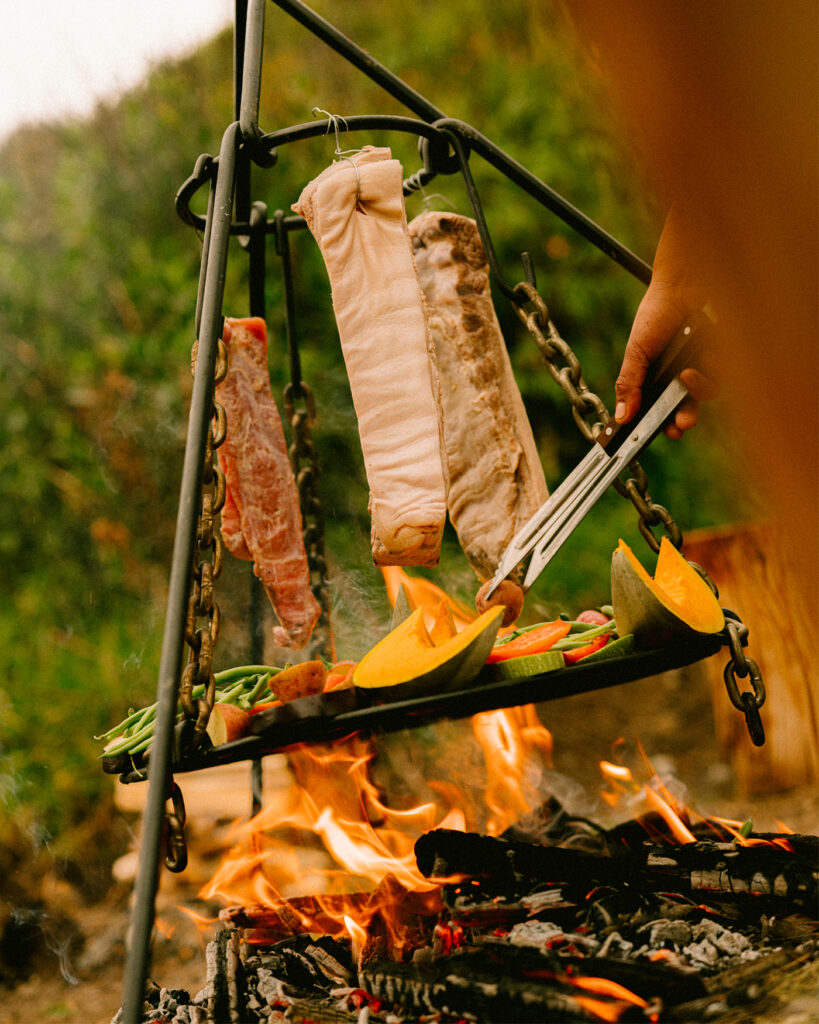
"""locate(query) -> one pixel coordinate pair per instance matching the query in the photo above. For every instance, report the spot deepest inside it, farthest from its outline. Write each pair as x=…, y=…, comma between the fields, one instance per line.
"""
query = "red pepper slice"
x=534, y=642
x=264, y=706
x=570, y=657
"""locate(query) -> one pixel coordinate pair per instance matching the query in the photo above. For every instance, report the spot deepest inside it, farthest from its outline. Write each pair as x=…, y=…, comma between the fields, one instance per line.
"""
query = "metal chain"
x=304, y=459
x=200, y=638
x=175, y=857
x=590, y=415
x=588, y=409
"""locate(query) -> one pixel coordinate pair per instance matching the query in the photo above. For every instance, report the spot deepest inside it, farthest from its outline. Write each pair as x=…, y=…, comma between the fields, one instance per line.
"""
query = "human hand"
x=671, y=298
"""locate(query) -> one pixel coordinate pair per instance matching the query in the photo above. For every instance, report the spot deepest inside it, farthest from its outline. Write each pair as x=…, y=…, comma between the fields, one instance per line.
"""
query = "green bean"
x=125, y=745
x=241, y=671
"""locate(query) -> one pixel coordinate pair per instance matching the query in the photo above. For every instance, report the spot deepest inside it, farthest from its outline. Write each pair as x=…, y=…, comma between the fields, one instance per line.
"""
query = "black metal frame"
x=445, y=146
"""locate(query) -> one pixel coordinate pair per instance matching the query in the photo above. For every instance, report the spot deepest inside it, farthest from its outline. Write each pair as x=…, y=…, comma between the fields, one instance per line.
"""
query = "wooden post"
x=754, y=570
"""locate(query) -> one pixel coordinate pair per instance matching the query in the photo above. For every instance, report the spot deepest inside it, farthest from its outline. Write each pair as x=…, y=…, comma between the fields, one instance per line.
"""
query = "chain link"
x=589, y=410
x=175, y=856
x=591, y=416
x=198, y=676
x=304, y=459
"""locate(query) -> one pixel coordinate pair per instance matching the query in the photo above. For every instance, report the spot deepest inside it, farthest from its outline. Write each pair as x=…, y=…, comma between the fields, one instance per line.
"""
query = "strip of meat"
x=231, y=521
x=261, y=517
x=355, y=210
x=496, y=480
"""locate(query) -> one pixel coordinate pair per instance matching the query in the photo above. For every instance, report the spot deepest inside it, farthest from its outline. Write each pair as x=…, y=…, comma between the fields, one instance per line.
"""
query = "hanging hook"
x=428, y=197
x=335, y=121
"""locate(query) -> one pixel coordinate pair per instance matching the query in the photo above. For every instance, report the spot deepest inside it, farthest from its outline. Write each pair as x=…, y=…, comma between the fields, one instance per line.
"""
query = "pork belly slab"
x=261, y=520
x=355, y=211
x=496, y=480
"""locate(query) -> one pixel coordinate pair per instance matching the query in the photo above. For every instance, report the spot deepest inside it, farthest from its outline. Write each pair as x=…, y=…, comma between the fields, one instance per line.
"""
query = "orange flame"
x=358, y=935
x=509, y=738
x=676, y=825
x=165, y=928
x=425, y=594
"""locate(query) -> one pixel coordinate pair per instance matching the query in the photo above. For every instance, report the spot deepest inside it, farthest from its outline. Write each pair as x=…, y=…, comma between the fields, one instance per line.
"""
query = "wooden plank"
x=757, y=574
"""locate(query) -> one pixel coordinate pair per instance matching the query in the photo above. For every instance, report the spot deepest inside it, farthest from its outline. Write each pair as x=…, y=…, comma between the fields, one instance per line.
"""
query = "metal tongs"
x=545, y=533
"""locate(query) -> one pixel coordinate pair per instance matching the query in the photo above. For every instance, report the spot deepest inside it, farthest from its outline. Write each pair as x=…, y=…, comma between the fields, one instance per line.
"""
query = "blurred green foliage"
x=98, y=283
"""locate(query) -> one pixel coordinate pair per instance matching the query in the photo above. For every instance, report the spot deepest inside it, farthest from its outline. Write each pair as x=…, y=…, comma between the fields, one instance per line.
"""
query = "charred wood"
x=503, y=984
x=728, y=868
x=505, y=866
x=293, y=916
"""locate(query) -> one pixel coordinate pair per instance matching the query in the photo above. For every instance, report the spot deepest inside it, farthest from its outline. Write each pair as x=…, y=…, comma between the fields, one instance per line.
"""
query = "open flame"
x=653, y=796
x=333, y=835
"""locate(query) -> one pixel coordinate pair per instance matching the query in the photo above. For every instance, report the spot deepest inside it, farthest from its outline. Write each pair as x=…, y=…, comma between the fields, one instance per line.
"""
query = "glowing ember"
x=604, y=987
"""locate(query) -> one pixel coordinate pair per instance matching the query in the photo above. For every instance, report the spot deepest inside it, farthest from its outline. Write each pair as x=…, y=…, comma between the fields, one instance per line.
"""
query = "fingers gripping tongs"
x=616, y=446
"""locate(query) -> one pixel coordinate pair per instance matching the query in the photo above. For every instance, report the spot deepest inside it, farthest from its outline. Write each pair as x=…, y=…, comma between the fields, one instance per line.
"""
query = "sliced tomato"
x=535, y=641
x=570, y=657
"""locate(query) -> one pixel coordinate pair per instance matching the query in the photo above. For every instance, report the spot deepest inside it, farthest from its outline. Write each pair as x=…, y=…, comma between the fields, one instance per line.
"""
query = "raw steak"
x=261, y=520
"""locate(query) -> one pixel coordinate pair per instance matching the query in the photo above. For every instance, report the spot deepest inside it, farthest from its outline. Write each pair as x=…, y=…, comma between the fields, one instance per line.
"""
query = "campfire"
x=463, y=889
x=489, y=900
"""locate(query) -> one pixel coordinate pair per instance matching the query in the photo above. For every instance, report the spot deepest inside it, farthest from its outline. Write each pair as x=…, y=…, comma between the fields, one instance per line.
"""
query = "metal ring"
x=219, y=427
x=738, y=658
x=219, y=489
x=753, y=720
x=220, y=369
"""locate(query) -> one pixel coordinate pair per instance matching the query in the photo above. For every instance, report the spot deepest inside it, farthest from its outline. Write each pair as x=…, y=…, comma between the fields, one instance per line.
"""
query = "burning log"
x=294, y=916
x=764, y=869
x=521, y=985
x=396, y=920
x=725, y=869
x=444, y=852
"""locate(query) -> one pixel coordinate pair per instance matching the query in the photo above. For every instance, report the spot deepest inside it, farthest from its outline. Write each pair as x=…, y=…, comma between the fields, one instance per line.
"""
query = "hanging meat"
x=261, y=521
x=496, y=480
x=355, y=210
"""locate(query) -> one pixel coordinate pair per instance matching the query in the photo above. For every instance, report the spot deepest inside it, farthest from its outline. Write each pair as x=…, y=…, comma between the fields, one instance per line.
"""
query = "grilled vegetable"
x=529, y=665
x=579, y=653
x=226, y=723
x=408, y=655
x=532, y=641
x=302, y=680
x=508, y=594
x=676, y=604
x=241, y=687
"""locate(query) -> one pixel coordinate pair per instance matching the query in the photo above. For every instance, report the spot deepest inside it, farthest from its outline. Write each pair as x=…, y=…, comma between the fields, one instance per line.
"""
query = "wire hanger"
x=337, y=123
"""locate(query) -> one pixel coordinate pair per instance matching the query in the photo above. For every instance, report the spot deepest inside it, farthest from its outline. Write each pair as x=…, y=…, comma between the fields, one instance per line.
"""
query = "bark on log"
x=756, y=573
x=723, y=869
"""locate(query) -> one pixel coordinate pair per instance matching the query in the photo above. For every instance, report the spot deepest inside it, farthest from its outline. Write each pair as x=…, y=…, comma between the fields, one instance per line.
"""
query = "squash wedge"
x=407, y=662
x=676, y=604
